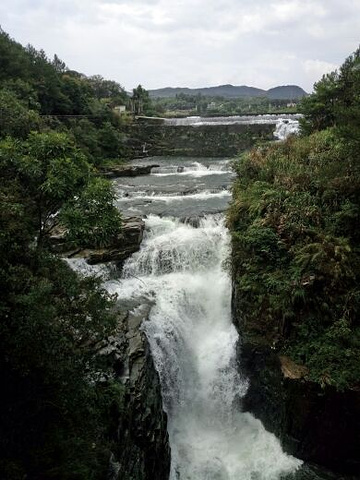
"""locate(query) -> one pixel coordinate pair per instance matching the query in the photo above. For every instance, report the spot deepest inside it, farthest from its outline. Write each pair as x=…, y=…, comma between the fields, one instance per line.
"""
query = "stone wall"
x=146, y=139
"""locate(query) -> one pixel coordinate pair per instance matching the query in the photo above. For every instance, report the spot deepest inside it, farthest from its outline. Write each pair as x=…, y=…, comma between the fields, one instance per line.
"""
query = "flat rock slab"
x=128, y=170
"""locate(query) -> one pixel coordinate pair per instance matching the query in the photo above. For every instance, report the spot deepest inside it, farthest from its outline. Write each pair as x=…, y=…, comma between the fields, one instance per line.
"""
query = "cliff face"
x=140, y=427
x=318, y=425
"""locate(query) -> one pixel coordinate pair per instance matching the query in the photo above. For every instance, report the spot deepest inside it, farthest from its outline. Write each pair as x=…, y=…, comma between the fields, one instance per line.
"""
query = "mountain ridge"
x=281, y=92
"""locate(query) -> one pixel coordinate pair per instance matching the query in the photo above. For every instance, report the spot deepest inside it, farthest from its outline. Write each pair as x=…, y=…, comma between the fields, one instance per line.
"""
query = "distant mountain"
x=290, y=92
x=286, y=92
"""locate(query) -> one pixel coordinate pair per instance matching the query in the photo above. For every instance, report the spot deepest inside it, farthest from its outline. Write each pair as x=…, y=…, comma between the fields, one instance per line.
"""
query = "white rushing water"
x=193, y=343
x=285, y=127
x=230, y=120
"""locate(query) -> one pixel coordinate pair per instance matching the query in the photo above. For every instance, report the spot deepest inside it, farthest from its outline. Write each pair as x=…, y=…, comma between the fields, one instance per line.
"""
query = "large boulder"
x=127, y=170
x=121, y=247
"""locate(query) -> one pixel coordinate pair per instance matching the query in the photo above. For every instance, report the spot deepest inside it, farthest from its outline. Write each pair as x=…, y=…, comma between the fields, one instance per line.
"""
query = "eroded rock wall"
x=142, y=446
x=319, y=425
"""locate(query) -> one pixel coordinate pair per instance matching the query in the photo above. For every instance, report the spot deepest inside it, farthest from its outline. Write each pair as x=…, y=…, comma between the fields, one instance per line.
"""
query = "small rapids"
x=195, y=169
x=178, y=187
x=182, y=271
x=285, y=127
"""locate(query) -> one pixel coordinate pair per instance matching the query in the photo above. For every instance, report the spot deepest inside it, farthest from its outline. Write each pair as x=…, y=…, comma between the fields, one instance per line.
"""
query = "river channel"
x=182, y=268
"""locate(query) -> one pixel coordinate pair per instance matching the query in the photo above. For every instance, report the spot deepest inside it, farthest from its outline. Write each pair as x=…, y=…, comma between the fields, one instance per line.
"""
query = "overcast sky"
x=194, y=43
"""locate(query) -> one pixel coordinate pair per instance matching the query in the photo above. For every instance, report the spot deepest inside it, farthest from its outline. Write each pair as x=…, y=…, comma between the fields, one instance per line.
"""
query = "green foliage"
x=52, y=423
x=206, y=105
x=318, y=108
x=107, y=89
x=50, y=169
x=91, y=218
x=141, y=102
x=32, y=84
x=16, y=118
x=110, y=141
x=53, y=415
x=55, y=176
x=57, y=413
x=336, y=102
x=294, y=221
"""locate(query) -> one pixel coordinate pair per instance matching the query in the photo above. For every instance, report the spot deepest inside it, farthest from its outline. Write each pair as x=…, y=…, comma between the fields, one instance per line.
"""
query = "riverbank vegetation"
x=295, y=220
x=57, y=129
x=184, y=105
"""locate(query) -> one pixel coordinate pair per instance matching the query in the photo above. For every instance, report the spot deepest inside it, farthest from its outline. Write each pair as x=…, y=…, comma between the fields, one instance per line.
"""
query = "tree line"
x=57, y=129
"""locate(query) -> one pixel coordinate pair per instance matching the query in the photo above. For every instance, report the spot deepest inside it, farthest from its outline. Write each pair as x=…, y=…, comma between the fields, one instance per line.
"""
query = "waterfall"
x=233, y=120
x=285, y=127
x=182, y=271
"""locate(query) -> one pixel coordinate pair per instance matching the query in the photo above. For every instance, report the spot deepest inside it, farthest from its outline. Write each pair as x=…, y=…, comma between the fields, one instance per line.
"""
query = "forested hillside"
x=56, y=128
x=295, y=220
x=288, y=92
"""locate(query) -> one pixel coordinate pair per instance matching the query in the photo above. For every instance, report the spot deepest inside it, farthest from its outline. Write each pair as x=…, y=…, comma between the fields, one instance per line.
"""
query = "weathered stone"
x=127, y=170
x=318, y=425
x=143, y=451
x=200, y=141
x=292, y=370
x=118, y=254
x=121, y=247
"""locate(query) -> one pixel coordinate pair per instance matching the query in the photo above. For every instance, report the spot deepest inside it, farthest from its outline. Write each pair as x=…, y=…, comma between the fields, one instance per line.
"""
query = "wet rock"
x=193, y=220
x=314, y=472
x=127, y=170
x=143, y=450
x=121, y=247
x=317, y=425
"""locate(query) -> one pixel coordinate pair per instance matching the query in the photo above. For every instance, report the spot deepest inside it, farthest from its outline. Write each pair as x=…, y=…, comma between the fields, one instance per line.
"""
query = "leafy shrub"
x=294, y=221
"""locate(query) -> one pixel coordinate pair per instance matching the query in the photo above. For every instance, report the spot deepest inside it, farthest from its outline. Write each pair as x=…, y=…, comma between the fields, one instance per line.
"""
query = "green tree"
x=141, y=102
x=91, y=217
x=110, y=140
x=54, y=413
x=52, y=172
x=319, y=108
x=16, y=118
x=335, y=101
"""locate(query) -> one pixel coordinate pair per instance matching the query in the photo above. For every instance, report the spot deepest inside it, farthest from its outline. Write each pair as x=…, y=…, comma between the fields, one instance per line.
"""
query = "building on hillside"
x=120, y=109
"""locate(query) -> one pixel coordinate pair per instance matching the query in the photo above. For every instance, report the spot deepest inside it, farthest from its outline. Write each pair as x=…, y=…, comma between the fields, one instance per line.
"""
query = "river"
x=182, y=268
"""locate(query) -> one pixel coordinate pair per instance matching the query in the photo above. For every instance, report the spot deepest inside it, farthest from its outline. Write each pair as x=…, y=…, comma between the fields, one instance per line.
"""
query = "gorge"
x=180, y=279
x=180, y=272
x=219, y=336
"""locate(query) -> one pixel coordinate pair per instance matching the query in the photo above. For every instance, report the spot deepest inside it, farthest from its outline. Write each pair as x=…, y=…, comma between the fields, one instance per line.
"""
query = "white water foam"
x=80, y=266
x=193, y=343
x=179, y=197
x=196, y=169
x=230, y=120
x=286, y=127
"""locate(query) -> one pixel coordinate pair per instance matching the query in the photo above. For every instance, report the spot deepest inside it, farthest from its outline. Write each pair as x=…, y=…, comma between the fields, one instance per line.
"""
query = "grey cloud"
x=192, y=42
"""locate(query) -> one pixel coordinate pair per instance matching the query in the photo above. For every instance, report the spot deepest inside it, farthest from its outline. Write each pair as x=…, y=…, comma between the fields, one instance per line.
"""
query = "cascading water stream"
x=193, y=343
x=180, y=271
x=285, y=127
